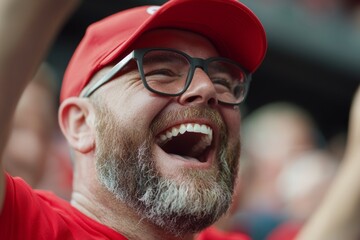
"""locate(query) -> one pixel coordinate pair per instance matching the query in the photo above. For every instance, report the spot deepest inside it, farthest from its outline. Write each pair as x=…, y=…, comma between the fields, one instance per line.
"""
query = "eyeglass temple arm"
x=107, y=77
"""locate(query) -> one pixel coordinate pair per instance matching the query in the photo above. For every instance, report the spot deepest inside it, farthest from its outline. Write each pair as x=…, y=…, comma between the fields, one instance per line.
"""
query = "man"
x=131, y=180
x=150, y=107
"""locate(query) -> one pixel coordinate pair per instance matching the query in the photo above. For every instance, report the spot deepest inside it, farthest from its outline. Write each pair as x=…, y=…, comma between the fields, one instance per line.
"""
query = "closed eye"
x=161, y=72
x=161, y=76
x=222, y=84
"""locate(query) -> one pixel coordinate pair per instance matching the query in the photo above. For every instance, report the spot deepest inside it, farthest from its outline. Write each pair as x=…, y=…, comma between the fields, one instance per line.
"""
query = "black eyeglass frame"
x=138, y=55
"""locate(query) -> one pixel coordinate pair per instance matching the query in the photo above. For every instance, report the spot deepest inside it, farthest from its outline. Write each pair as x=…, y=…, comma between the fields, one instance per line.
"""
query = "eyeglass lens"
x=167, y=71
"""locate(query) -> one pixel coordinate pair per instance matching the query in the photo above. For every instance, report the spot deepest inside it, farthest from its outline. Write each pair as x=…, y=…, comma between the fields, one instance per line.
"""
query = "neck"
x=96, y=202
x=104, y=208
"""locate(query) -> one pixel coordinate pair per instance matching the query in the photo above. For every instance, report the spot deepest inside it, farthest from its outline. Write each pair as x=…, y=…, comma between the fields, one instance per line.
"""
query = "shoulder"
x=23, y=207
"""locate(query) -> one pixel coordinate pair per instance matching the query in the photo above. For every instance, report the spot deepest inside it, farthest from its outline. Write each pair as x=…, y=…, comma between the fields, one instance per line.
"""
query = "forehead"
x=189, y=42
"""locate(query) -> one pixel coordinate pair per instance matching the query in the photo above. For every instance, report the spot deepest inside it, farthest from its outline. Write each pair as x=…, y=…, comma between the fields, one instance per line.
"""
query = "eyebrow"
x=163, y=57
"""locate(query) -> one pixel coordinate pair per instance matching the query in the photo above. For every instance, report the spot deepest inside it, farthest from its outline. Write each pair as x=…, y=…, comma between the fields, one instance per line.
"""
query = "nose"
x=200, y=91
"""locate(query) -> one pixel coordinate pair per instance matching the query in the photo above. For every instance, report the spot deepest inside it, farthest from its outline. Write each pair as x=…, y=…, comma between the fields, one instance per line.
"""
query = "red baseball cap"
x=232, y=27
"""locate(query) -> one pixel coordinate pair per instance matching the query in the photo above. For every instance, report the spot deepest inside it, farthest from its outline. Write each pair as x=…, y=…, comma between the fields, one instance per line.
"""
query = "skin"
x=128, y=99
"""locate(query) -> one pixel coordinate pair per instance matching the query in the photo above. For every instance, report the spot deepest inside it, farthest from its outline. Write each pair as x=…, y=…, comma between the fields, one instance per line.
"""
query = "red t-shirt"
x=286, y=231
x=211, y=233
x=33, y=214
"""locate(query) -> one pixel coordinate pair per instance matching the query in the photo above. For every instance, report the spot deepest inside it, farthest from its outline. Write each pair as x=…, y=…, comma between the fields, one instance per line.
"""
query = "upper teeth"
x=189, y=127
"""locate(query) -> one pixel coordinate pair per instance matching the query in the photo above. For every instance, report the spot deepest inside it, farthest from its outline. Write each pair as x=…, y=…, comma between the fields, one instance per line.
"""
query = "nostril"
x=212, y=102
x=191, y=99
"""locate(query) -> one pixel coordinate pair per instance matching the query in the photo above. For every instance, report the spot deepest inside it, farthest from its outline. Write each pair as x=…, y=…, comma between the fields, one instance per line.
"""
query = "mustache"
x=190, y=112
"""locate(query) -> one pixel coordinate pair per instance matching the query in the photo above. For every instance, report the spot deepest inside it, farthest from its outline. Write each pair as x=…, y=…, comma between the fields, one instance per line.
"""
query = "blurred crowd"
x=344, y=8
x=286, y=168
x=347, y=8
x=36, y=150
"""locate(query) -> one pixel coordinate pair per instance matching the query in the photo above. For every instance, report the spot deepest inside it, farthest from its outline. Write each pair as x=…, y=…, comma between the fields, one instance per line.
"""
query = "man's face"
x=181, y=183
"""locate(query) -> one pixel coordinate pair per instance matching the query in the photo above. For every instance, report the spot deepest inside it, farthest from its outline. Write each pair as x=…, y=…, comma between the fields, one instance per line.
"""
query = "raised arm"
x=27, y=29
x=338, y=217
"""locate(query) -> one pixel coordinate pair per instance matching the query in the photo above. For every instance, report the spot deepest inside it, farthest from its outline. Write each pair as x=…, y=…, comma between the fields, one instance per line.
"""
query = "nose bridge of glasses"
x=199, y=74
x=200, y=87
x=199, y=64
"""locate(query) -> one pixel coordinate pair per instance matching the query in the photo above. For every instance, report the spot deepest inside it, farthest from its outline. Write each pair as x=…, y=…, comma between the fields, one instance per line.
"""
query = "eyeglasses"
x=169, y=72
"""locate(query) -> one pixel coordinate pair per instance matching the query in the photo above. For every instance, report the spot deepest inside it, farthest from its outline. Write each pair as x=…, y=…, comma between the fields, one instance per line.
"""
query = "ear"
x=76, y=119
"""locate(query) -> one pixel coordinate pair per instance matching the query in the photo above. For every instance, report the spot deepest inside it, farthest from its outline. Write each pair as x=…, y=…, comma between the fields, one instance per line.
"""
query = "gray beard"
x=125, y=166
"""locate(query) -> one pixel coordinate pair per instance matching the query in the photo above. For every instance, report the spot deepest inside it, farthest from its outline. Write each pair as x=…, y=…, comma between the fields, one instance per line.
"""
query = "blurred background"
x=313, y=56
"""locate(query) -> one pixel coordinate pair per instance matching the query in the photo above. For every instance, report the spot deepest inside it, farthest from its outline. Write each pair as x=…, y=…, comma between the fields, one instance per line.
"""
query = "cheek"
x=137, y=107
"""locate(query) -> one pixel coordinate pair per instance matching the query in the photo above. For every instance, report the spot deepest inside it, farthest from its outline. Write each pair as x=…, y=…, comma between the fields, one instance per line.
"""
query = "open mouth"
x=190, y=141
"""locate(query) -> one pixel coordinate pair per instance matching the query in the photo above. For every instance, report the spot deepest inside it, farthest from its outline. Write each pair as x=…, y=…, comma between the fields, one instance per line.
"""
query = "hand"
x=338, y=216
x=354, y=125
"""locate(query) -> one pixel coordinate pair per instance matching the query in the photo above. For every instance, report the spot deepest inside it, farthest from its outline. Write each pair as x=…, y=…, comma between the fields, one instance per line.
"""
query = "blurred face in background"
x=33, y=124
